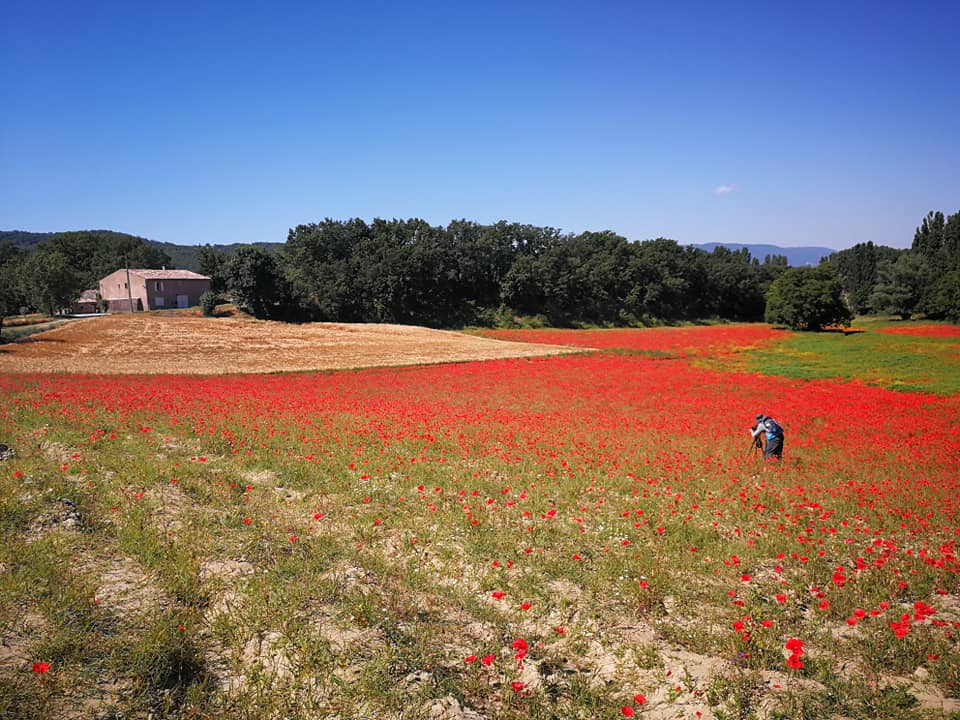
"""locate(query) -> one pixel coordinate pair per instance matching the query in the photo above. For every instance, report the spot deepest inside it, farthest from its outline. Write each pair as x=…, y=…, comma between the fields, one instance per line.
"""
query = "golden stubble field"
x=175, y=343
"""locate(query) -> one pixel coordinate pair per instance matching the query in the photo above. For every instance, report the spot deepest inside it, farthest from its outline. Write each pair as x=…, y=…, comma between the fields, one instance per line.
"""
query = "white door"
x=183, y=301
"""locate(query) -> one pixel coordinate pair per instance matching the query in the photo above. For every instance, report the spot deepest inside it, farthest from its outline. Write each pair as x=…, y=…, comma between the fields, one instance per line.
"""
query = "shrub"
x=208, y=303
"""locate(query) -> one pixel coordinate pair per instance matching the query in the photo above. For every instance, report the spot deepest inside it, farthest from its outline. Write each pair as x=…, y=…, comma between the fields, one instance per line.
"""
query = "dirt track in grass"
x=173, y=343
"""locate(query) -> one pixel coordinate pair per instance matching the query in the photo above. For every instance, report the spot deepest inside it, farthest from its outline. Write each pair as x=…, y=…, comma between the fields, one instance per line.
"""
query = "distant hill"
x=22, y=238
x=182, y=257
x=796, y=256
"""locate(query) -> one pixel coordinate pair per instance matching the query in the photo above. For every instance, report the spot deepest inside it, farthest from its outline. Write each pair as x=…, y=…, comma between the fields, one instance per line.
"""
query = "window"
x=159, y=286
x=159, y=301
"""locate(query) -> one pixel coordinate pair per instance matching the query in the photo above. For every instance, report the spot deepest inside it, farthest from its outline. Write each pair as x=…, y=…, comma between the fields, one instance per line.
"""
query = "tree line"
x=410, y=272
x=922, y=280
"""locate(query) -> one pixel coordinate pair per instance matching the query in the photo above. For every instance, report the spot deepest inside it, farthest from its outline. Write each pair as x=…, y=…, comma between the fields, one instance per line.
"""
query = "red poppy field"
x=587, y=535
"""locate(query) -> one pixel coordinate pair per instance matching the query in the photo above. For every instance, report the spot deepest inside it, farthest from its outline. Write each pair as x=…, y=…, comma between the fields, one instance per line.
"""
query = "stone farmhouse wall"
x=152, y=289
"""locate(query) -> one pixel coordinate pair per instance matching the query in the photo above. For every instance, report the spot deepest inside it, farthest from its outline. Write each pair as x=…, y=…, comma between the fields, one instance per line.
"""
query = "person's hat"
x=759, y=416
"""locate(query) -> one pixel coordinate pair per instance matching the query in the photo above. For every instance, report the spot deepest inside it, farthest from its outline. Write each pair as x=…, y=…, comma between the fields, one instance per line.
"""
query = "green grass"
x=363, y=597
x=897, y=362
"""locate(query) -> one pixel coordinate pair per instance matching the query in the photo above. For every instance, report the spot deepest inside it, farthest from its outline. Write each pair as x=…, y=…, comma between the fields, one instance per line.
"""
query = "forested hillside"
x=22, y=238
x=184, y=257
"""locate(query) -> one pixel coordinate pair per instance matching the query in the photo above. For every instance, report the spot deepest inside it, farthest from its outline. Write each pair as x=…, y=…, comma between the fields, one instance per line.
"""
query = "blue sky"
x=820, y=123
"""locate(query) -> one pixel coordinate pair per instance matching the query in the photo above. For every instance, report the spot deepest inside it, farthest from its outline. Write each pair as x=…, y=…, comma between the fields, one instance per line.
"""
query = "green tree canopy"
x=857, y=268
x=254, y=279
x=807, y=298
x=11, y=297
x=212, y=263
x=901, y=285
x=94, y=254
x=49, y=280
x=928, y=238
x=737, y=283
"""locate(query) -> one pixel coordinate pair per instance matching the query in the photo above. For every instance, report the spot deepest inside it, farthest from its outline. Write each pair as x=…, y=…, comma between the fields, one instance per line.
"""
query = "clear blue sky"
x=815, y=123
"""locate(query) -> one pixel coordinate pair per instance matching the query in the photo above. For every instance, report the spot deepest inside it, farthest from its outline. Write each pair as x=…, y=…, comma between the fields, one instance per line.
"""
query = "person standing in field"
x=774, y=436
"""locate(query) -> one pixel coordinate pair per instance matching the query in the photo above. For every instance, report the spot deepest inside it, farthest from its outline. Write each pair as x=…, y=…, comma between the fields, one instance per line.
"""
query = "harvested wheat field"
x=188, y=344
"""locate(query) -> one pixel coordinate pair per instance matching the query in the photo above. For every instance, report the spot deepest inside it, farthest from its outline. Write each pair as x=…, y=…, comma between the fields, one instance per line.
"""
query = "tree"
x=576, y=279
x=807, y=298
x=660, y=278
x=484, y=254
x=941, y=296
x=212, y=263
x=11, y=297
x=951, y=241
x=7, y=295
x=928, y=238
x=945, y=301
x=522, y=288
x=318, y=262
x=254, y=279
x=901, y=285
x=94, y=254
x=736, y=285
x=857, y=268
x=50, y=281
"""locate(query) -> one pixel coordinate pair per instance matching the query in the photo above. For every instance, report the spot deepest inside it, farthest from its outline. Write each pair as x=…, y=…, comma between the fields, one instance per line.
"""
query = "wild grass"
x=21, y=327
x=899, y=362
x=379, y=549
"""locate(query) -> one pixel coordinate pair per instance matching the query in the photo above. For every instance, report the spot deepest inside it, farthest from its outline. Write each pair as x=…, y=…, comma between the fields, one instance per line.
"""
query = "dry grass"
x=157, y=343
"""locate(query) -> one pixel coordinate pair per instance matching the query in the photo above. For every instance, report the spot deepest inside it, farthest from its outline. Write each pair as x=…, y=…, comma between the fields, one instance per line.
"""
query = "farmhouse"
x=85, y=304
x=152, y=289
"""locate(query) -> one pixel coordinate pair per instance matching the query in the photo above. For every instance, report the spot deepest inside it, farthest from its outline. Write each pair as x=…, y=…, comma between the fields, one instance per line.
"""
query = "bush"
x=208, y=303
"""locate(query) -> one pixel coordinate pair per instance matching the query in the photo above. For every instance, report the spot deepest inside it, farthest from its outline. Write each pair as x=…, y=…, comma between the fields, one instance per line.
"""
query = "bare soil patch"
x=155, y=343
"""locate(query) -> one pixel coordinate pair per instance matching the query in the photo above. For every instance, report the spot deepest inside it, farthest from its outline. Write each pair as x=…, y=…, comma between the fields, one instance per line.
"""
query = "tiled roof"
x=168, y=274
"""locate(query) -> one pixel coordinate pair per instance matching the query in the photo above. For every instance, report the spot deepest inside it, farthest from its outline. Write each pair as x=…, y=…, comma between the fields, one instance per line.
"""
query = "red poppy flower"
x=795, y=646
